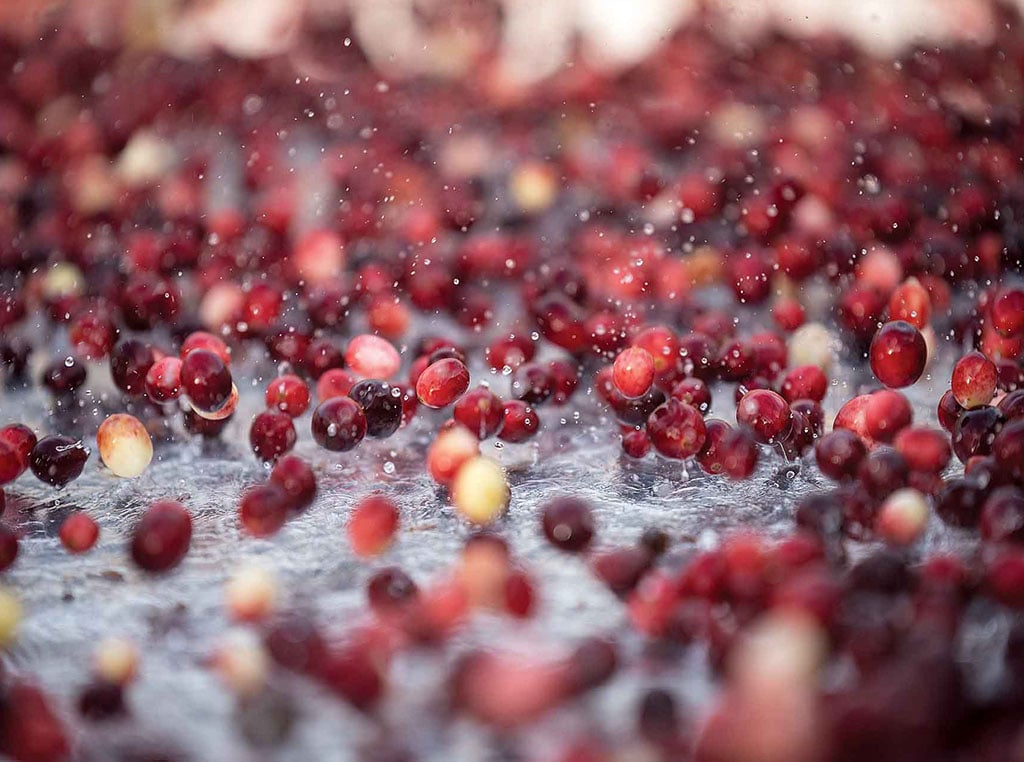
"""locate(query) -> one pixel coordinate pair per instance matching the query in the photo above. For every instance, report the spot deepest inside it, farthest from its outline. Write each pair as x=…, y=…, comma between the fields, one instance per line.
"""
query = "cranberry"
x=532, y=383
x=163, y=381
x=206, y=380
x=1008, y=449
x=519, y=422
x=568, y=523
x=633, y=372
x=710, y=456
x=736, y=361
x=382, y=406
x=8, y=547
x=64, y=376
x=1002, y=515
x=960, y=504
x=565, y=378
x=289, y=394
x=883, y=472
x=1012, y=405
x=636, y=444
x=271, y=435
x=92, y=335
x=294, y=642
x=676, y=430
x=898, y=354
x=974, y=380
x=693, y=392
x=335, y=382
x=481, y=411
x=507, y=354
x=204, y=427
x=16, y=443
x=130, y=362
x=204, y=340
x=390, y=589
x=739, y=453
x=910, y=302
x=162, y=536
x=296, y=479
x=1007, y=313
x=263, y=509
x=372, y=357
x=442, y=382
x=58, y=460
x=949, y=411
x=372, y=525
x=766, y=414
x=886, y=413
x=338, y=424
x=924, y=449
x=1004, y=576
x=975, y=432
x=804, y=382
x=323, y=355
x=79, y=532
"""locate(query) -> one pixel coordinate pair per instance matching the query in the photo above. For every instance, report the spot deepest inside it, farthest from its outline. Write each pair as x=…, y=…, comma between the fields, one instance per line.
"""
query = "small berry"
x=205, y=341
x=804, y=382
x=676, y=430
x=480, y=411
x=58, y=460
x=370, y=356
x=251, y=594
x=163, y=380
x=296, y=479
x=78, y=532
x=693, y=392
x=519, y=422
x=289, y=394
x=903, y=517
x=568, y=523
x=480, y=490
x=924, y=449
x=115, y=660
x=382, y=406
x=633, y=372
x=162, y=536
x=886, y=413
x=766, y=414
x=124, y=445
x=442, y=382
x=372, y=526
x=335, y=382
x=263, y=509
x=338, y=424
x=271, y=435
x=206, y=380
x=898, y=354
x=974, y=380
x=449, y=451
x=1007, y=313
x=636, y=444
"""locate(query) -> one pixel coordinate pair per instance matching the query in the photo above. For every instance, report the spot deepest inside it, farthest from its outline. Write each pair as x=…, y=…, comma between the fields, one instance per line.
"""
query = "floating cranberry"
x=568, y=523
x=506, y=354
x=804, y=382
x=370, y=356
x=289, y=394
x=532, y=383
x=204, y=340
x=565, y=378
x=206, y=380
x=390, y=589
x=949, y=411
x=271, y=435
x=882, y=473
x=323, y=355
x=1004, y=576
x=1008, y=449
x=58, y=460
x=960, y=503
x=974, y=380
x=382, y=405
x=338, y=424
x=92, y=336
x=739, y=453
x=163, y=381
x=886, y=413
x=636, y=444
x=693, y=392
x=335, y=382
x=124, y=445
x=442, y=382
x=296, y=479
x=79, y=532
x=263, y=509
x=898, y=354
x=372, y=526
x=1007, y=313
x=481, y=411
x=975, y=431
x=924, y=449
x=676, y=429
x=8, y=547
x=162, y=536
x=519, y=422
x=633, y=372
x=767, y=415
x=129, y=364
x=710, y=456
x=64, y=376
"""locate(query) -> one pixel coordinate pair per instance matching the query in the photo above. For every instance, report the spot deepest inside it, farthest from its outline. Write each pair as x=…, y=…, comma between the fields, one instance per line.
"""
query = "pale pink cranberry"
x=370, y=356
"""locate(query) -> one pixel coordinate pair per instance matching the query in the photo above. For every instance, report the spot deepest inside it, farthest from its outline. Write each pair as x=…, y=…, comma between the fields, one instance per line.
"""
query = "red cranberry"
x=16, y=443
x=372, y=525
x=676, y=430
x=974, y=380
x=886, y=413
x=78, y=532
x=739, y=453
x=839, y=454
x=382, y=406
x=163, y=381
x=322, y=355
x=1012, y=405
x=294, y=642
x=663, y=346
x=64, y=376
x=565, y=378
x=263, y=509
x=693, y=392
x=129, y=363
x=1007, y=313
x=1004, y=576
x=390, y=589
x=633, y=372
x=766, y=414
x=910, y=302
x=162, y=537
x=148, y=301
x=289, y=394
x=1008, y=449
x=960, y=504
x=92, y=336
x=975, y=432
x=205, y=427
x=1002, y=515
x=8, y=547
x=335, y=382
x=372, y=357
x=481, y=411
x=443, y=382
x=736, y=362
x=949, y=411
x=924, y=449
x=532, y=383
x=710, y=456
x=271, y=435
x=882, y=473
x=804, y=382
x=58, y=460
x=338, y=424
x=519, y=422
x=205, y=379
x=507, y=354
x=296, y=479
x=568, y=524
x=898, y=354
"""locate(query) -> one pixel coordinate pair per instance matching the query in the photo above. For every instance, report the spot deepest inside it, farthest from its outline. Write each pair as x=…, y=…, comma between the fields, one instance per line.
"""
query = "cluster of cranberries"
x=745, y=226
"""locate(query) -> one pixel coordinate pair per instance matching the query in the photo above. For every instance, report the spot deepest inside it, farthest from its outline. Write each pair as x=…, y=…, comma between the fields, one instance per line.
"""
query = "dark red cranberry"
x=64, y=375
x=8, y=547
x=568, y=524
x=886, y=413
x=510, y=353
x=338, y=424
x=204, y=427
x=1004, y=576
x=949, y=411
x=519, y=422
x=975, y=431
x=532, y=383
x=481, y=411
x=693, y=392
x=294, y=642
x=442, y=383
x=129, y=363
x=565, y=378
x=296, y=479
x=322, y=355
x=263, y=509
x=621, y=569
x=1002, y=515
x=766, y=414
x=58, y=460
x=736, y=361
x=148, y=301
x=1008, y=449
x=271, y=434
x=389, y=589
x=1012, y=405
x=960, y=503
x=710, y=456
x=162, y=536
x=739, y=453
x=898, y=354
x=697, y=355
x=883, y=472
x=289, y=394
x=205, y=379
x=636, y=443
x=805, y=382
x=676, y=430
x=382, y=405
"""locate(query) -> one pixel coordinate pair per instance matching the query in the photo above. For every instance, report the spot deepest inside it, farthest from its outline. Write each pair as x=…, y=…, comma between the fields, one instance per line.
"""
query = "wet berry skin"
x=8, y=547
x=382, y=406
x=338, y=424
x=481, y=411
x=568, y=524
x=442, y=382
x=766, y=414
x=263, y=509
x=295, y=477
x=58, y=460
x=898, y=354
x=677, y=430
x=271, y=434
x=519, y=422
x=162, y=537
x=205, y=379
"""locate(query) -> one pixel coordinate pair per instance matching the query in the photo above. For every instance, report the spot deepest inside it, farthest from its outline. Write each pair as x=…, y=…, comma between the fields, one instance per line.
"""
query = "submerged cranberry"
x=898, y=354
x=382, y=406
x=338, y=424
x=58, y=460
x=162, y=537
x=676, y=430
x=568, y=524
x=205, y=379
